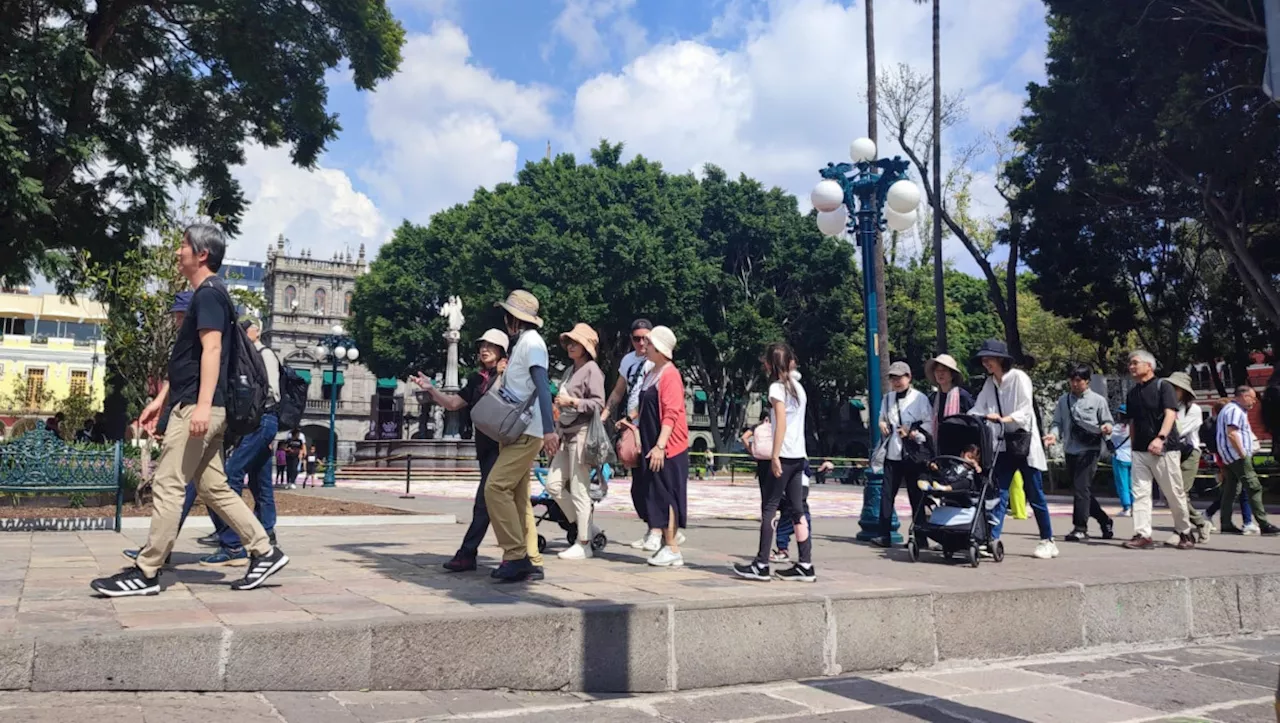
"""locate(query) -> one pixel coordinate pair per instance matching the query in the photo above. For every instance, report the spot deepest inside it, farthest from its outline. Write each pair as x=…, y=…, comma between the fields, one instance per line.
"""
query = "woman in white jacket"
x=1006, y=400
x=904, y=413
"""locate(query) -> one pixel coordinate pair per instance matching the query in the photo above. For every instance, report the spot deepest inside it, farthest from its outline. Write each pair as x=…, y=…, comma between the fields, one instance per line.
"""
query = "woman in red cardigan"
x=664, y=442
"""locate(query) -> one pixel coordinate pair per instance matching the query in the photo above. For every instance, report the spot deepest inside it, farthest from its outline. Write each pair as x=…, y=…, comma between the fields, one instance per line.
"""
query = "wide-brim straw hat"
x=946, y=361
x=663, y=340
x=584, y=335
x=1182, y=380
x=496, y=337
x=523, y=306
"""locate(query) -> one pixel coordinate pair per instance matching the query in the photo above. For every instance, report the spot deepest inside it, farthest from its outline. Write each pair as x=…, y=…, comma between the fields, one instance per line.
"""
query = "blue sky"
x=772, y=89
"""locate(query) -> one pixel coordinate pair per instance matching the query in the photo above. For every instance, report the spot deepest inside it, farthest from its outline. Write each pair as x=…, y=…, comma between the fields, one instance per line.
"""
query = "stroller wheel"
x=997, y=552
x=972, y=555
x=542, y=544
x=599, y=542
x=913, y=550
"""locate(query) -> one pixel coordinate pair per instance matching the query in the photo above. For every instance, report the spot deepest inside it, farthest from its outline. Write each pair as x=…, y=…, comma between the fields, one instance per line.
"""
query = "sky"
x=773, y=89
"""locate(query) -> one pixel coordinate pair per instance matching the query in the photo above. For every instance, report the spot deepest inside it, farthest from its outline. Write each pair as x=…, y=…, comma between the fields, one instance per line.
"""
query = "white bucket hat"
x=663, y=340
x=495, y=337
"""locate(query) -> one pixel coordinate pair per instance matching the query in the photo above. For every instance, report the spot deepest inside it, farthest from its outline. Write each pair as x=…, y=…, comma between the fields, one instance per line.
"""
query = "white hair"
x=1144, y=356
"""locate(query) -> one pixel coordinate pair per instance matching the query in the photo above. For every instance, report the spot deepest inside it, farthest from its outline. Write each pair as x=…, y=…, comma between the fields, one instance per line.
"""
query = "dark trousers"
x=252, y=459
x=898, y=473
x=787, y=528
x=789, y=486
x=1080, y=469
x=291, y=470
x=479, y=512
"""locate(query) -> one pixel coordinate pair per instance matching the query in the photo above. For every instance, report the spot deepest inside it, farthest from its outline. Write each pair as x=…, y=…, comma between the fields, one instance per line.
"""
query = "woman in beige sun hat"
x=1187, y=425
x=951, y=397
x=581, y=396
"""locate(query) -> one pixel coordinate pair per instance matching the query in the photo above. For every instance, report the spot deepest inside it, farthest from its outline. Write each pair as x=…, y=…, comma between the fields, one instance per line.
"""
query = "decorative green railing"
x=39, y=461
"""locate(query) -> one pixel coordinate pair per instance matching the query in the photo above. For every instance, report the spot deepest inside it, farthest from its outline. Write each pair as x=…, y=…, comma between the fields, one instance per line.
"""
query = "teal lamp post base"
x=869, y=520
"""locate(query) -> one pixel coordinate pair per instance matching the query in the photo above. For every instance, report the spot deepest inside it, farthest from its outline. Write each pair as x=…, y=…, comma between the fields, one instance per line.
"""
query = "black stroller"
x=958, y=520
x=551, y=511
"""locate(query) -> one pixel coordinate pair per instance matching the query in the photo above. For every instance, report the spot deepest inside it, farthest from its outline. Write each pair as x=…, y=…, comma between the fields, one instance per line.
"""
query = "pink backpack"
x=762, y=441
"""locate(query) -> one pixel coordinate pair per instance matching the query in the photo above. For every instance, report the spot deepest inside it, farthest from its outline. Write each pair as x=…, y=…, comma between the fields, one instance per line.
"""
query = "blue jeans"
x=1123, y=472
x=1246, y=511
x=187, y=502
x=1032, y=483
x=252, y=457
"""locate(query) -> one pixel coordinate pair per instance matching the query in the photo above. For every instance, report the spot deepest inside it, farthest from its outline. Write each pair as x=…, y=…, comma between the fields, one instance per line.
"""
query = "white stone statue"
x=452, y=311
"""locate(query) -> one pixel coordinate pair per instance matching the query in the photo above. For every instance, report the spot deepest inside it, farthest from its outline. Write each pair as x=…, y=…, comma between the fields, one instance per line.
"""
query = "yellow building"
x=54, y=347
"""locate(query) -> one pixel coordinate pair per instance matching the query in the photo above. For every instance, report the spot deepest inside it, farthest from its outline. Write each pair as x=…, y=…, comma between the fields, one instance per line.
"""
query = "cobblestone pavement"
x=1229, y=681
x=343, y=573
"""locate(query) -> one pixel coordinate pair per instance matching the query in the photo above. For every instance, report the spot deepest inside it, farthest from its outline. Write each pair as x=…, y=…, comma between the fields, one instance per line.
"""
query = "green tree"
x=1151, y=129
x=75, y=409
x=97, y=99
x=22, y=397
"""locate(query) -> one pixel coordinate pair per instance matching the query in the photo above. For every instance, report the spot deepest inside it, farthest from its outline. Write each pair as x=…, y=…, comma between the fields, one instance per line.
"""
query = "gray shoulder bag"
x=500, y=417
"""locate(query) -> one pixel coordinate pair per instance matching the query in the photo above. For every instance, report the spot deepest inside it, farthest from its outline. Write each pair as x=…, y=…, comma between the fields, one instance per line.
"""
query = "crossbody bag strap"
x=999, y=407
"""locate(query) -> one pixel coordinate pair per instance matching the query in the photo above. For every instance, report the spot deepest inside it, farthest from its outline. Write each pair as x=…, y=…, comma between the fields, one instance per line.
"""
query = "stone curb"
x=647, y=647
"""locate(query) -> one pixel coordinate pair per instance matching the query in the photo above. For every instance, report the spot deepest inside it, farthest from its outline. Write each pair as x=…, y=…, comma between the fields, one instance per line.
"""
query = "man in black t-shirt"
x=1152, y=407
x=193, y=440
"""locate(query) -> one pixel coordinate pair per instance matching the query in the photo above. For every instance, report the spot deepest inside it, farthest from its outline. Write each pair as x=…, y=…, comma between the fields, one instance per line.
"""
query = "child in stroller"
x=961, y=494
x=551, y=511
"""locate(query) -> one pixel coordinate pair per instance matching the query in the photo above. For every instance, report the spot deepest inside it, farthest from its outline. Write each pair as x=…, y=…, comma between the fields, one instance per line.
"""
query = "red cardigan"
x=672, y=411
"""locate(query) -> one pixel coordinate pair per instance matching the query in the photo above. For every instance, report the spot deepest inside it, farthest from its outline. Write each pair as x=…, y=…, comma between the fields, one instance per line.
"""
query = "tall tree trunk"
x=939, y=291
x=882, y=331
x=1012, y=336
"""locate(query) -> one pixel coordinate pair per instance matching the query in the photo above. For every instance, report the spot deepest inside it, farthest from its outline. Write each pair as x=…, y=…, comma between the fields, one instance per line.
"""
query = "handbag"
x=628, y=446
x=1017, y=442
x=567, y=416
x=917, y=453
x=501, y=417
x=1086, y=438
x=762, y=442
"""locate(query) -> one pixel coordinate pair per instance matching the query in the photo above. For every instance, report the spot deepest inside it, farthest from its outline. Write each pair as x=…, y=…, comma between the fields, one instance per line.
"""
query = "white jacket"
x=914, y=408
x=1016, y=401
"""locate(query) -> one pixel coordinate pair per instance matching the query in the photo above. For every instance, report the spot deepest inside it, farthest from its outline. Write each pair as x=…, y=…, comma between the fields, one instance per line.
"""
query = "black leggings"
x=772, y=491
x=897, y=474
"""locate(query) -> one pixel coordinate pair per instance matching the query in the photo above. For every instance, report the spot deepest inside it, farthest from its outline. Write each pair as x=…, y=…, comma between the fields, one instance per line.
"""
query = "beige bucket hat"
x=1182, y=380
x=497, y=338
x=946, y=361
x=584, y=335
x=523, y=306
x=663, y=340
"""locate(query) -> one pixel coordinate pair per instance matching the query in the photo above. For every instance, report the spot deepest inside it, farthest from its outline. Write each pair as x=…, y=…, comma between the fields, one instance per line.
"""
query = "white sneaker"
x=653, y=542
x=680, y=537
x=640, y=543
x=666, y=557
x=1054, y=546
x=1252, y=529
x=576, y=551
x=1045, y=550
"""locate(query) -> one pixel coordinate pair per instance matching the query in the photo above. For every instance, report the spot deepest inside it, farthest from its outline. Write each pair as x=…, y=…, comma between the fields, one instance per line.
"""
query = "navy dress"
x=667, y=489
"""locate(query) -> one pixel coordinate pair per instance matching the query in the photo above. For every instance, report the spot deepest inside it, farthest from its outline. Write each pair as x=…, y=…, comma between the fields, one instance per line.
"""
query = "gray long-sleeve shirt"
x=1087, y=412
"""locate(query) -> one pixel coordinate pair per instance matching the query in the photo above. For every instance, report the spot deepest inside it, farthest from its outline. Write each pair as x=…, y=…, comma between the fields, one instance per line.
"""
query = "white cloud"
x=443, y=126
x=588, y=26
x=315, y=209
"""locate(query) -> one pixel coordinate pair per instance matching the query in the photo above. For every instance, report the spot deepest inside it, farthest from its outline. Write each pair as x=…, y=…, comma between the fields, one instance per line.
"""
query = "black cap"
x=642, y=324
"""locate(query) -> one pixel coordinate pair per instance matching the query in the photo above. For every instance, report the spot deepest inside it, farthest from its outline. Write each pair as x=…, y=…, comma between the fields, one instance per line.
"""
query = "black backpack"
x=248, y=389
x=293, y=398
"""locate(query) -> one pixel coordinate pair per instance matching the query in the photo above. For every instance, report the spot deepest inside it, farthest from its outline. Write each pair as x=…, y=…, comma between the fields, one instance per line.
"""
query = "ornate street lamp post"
x=868, y=185
x=337, y=349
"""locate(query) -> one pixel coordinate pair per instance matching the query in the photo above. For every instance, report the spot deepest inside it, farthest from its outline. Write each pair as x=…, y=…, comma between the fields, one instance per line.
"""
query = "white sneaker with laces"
x=1053, y=546
x=576, y=551
x=680, y=537
x=653, y=542
x=1044, y=550
x=666, y=557
x=1252, y=529
x=640, y=543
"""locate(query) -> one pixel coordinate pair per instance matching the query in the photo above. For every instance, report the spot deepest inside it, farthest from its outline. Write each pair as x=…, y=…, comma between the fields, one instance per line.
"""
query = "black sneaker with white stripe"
x=128, y=582
x=798, y=572
x=753, y=571
x=261, y=568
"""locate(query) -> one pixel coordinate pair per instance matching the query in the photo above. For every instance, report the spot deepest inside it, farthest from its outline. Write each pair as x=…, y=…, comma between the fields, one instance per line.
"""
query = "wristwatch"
x=1162, y=437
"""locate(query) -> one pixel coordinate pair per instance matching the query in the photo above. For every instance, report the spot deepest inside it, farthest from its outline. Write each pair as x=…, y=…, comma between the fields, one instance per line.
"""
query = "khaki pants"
x=1165, y=470
x=1191, y=468
x=568, y=469
x=506, y=494
x=182, y=458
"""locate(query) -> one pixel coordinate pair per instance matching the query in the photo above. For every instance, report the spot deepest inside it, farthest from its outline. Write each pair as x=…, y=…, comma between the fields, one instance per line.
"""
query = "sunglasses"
x=637, y=338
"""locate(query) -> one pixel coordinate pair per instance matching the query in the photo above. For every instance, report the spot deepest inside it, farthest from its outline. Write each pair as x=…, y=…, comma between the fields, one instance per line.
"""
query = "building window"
x=346, y=304
x=290, y=297
x=320, y=298
x=35, y=387
x=79, y=382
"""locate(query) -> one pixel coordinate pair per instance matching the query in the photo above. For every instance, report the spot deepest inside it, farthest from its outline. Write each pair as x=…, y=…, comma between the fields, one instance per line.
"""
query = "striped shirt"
x=1233, y=415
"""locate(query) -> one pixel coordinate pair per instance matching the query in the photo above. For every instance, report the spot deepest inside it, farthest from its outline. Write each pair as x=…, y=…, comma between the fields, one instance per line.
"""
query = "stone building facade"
x=306, y=297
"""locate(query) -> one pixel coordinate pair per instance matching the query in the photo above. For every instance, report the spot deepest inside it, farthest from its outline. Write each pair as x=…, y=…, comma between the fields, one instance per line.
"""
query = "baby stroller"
x=551, y=511
x=959, y=520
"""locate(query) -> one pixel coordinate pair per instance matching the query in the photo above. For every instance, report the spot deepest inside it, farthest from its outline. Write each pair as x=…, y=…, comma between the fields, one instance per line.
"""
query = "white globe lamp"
x=899, y=221
x=827, y=195
x=903, y=196
x=862, y=150
x=337, y=328
x=353, y=353
x=340, y=352
x=833, y=223
x=321, y=352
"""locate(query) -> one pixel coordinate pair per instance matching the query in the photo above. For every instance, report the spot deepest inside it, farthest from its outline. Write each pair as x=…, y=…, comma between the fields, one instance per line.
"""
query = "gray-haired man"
x=192, y=447
x=1153, y=407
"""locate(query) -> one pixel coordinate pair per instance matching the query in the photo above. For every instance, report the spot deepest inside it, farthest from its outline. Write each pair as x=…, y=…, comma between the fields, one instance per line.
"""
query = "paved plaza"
x=1228, y=681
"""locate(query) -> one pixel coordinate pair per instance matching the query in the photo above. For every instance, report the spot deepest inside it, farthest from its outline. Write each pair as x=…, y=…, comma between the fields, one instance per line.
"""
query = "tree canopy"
x=727, y=263
x=1151, y=161
x=101, y=103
